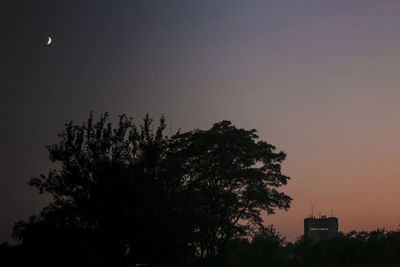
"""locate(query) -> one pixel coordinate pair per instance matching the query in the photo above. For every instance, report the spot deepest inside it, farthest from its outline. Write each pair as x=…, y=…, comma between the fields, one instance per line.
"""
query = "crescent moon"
x=49, y=41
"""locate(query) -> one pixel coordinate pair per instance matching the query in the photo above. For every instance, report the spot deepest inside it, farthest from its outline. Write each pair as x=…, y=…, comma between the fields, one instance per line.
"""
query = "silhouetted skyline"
x=318, y=80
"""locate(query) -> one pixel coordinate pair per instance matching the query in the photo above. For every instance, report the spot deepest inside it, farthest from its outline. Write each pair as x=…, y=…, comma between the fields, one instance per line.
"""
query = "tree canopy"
x=125, y=194
x=233, y=177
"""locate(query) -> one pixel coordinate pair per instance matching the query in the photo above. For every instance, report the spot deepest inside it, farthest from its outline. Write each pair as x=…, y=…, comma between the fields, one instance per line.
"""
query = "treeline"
x=125, y=195
x=131, y=196
x=375, y=248
x=266, y=248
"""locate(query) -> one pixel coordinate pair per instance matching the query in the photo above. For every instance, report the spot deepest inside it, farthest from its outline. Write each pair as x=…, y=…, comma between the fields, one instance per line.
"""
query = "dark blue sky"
x=318, y=79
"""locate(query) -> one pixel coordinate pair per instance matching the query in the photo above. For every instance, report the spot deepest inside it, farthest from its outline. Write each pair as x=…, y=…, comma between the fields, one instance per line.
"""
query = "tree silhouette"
x=232, y=177
x=124, y=195
x=104, y=188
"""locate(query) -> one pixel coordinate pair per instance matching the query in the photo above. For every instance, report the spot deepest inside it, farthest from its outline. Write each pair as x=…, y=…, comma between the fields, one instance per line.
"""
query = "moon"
x=49, y=41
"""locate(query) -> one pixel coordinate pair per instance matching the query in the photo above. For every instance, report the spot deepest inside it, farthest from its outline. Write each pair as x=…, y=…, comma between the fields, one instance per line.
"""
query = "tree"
x=232, y=178
x=127, y=194
x=105, y=188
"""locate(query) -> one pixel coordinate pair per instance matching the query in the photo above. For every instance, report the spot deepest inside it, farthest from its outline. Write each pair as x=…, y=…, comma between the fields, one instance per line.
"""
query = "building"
x=320, y=228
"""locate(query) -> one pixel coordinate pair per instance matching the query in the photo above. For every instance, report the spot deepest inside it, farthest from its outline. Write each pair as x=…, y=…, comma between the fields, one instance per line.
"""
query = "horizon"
x=317, y=80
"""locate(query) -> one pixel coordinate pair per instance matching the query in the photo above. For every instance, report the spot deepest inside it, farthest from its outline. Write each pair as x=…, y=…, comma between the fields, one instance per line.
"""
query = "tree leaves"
x=188, y=194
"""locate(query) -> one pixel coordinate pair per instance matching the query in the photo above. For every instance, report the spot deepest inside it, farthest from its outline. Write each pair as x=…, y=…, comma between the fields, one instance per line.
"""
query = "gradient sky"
x=318, y=79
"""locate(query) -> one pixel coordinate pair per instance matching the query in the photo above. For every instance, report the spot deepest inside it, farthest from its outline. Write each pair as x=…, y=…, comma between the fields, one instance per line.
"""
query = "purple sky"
x=318, y=79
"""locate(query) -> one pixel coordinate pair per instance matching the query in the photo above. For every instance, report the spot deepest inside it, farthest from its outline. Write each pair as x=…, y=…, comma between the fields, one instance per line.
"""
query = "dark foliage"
x=125, y=195
x=268, y=248
x=230, y=178
x=375, y=248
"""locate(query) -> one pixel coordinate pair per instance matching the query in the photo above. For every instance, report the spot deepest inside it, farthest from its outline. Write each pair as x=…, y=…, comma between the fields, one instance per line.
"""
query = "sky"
x=317, y=79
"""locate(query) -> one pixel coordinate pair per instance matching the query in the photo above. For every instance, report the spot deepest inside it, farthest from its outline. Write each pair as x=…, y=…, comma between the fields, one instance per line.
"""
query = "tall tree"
x=232, y=178
x=105, y=187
